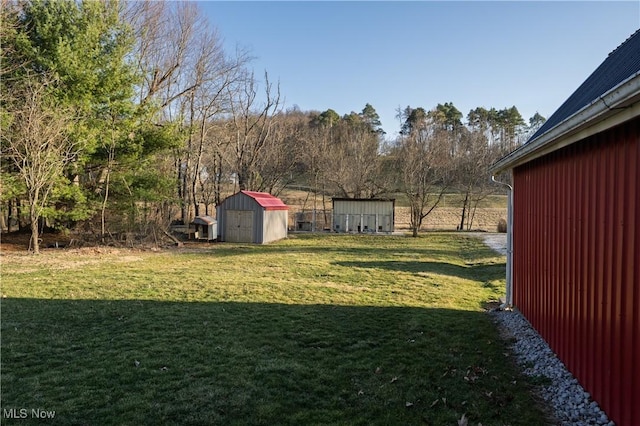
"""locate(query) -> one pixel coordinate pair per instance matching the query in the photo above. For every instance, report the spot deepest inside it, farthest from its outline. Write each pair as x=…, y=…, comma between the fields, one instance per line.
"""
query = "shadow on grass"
x=145, y=362
x=233, y=249
x=480, y=272
x=363, y=246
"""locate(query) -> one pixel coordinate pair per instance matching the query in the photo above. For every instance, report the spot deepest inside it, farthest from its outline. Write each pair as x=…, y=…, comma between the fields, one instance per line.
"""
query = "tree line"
x=126, y=116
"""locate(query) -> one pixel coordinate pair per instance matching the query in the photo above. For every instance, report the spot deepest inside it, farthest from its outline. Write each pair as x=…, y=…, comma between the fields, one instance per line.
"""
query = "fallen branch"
x=174, y=239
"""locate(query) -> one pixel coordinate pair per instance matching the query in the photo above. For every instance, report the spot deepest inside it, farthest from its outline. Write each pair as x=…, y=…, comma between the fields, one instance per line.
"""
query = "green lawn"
x=350, y=330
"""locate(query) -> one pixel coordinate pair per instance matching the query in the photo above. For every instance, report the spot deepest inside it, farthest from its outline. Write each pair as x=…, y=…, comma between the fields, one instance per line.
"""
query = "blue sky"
x=391, y=54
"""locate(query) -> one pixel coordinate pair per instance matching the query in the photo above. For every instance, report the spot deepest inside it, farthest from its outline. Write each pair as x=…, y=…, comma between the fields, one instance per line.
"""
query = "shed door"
x=239, y=226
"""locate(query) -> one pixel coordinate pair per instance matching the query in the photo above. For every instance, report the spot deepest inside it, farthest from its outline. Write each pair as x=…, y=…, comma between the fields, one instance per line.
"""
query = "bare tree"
x=215, y=75
x=471, y=166
x=344, y=153
x=282, y=152
x=423, y=165
x=187, y=77
x=251, y=124
x=164, y=32
x=216, y=173
x=315, y=145
x=37, y=141
x=351, y=163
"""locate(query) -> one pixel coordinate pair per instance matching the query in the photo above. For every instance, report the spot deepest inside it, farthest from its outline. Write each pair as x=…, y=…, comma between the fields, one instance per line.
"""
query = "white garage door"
x=239, y=226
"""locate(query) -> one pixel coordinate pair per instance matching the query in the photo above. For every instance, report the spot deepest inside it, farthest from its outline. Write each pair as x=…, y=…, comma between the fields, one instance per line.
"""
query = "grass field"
x=347, y=330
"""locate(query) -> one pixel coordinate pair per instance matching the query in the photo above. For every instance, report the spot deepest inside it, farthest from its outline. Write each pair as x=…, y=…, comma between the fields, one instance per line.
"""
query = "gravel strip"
x=570, y=403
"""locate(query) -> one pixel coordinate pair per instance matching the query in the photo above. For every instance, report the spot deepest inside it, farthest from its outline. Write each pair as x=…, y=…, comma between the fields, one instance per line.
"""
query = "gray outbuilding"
x=252, y=217
x=363, y=215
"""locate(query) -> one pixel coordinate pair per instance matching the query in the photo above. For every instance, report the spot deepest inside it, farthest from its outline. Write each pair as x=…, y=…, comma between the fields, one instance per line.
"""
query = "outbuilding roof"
x=363, y=199
x=622, y=63
x=266, y=200
x=608, y=96
x=203, y=220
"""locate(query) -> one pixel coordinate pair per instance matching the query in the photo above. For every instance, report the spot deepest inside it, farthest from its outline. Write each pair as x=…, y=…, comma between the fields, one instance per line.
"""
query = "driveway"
x=496, y=241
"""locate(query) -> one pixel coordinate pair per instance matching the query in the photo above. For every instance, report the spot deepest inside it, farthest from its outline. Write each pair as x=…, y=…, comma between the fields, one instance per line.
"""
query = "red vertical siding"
x=576, y=262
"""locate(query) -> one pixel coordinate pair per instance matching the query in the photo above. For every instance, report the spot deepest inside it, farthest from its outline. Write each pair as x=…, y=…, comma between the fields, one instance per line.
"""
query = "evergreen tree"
x=81, y=51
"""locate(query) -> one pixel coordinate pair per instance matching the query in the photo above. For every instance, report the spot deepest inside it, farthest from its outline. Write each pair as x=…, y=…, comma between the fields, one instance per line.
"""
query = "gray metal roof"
x=203, y=220
x=609, y=96
x=620, y=65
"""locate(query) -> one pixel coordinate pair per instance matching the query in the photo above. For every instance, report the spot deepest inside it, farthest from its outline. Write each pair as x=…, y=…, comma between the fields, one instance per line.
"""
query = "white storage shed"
x=363, y=215
x=206, y=228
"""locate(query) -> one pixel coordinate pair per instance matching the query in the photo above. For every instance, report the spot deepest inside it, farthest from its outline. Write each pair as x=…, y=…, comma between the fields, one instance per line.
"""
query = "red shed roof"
x=266, y=200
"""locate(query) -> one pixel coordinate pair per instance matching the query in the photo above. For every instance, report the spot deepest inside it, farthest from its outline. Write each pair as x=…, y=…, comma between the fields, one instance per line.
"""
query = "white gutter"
x=508, y=304
x=621, y=102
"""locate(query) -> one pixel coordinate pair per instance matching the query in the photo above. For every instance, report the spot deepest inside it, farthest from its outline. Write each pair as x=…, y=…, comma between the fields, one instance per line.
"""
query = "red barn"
x=576, y=232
